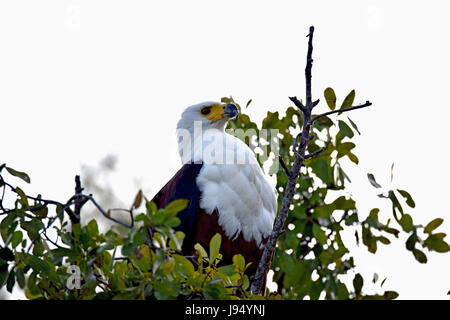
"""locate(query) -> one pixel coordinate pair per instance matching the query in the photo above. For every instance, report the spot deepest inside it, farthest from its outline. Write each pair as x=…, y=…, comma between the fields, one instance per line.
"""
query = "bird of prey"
x=226, y=188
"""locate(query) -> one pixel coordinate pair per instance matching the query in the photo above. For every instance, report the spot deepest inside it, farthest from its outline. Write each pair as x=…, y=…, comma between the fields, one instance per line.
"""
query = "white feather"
x=240, y=192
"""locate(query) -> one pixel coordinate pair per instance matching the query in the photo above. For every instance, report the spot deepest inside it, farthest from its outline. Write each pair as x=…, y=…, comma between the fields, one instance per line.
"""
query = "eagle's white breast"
x=232, y=182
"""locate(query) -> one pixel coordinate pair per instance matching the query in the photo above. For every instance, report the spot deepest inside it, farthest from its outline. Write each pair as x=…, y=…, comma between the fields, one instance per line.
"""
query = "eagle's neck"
x=197, y=144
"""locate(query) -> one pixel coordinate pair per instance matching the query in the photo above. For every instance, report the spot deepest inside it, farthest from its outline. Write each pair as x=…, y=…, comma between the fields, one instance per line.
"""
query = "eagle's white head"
x=211, y=115
x=202, y=126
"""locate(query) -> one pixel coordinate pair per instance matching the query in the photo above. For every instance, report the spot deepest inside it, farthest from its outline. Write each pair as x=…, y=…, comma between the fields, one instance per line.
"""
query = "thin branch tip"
x=285, y=168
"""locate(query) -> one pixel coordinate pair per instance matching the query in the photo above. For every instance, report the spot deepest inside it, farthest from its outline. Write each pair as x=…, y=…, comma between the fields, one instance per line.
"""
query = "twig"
x=78, y=201
x=298, y=103
x=308, y=68
x=103, y=212
x=313, y=154
x=295, y=144
x=283, y=164
x=50, y=240
x=366, y=104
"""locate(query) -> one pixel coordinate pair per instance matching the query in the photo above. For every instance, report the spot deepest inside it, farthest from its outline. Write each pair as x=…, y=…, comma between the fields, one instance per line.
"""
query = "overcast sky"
x=83, y=79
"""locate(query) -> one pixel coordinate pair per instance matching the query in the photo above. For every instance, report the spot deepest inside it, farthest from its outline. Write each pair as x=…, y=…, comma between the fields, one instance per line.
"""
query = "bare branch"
x=308, y=68
x=280, y=220
x=366, y=104
x=315, y=153
x=283, y=164
x=315, y=103
x=103, y=212
x=78, y=201
x=296, y=141
x=298, y=103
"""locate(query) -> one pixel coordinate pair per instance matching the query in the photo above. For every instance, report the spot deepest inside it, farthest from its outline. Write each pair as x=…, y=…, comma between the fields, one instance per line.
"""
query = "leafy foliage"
x=311, y=258
x=149, y=266
x=39, y=243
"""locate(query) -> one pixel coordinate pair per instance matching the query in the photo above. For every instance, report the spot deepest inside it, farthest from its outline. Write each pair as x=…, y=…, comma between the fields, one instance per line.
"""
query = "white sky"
x=81, y=79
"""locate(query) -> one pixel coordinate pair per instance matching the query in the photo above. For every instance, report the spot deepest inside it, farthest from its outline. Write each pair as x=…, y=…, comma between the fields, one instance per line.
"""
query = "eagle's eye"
x=205, y=111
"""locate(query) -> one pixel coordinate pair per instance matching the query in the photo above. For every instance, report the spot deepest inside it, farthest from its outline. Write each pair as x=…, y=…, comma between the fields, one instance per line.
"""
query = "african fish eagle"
x=226, y=188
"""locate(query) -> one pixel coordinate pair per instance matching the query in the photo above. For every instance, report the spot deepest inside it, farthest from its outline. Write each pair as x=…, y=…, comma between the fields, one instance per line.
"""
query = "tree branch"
x=283, y=164
x=366, y=104
x=299, y=150
x=308, y=73
x=298, y=103
x=264, y=263
x=78, y=201
x=103, y=212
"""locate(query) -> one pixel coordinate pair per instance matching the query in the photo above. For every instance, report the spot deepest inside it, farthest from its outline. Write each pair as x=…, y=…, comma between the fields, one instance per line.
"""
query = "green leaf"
x=227, y=270
x=184, y=264
x=330, y=97
x=39, y=265
x=23, y=199
x=342, y=291
x=344, y=204
x=20, y=277
x=358, y=283
x=406, y=222
x=433, y=225
x=151, y=207
x=128, y=249
x=372, y=180
x=345, y=129
x=344, y=148
x=201, y=251
x=173, y=222
x=436, y=242
x=322, y=170
x=409, y=200
x=319, y=234
x=92, y=228
x=348, y=101
x=239, y=262
x=168, y=266
x=383, y=240
x=165, y=290
x=390, y=295
x=353, y=158
x=214, y=247
x=420, y=256
x=139, y=238
x=351, y=219
x=11, y=281
x=21, y=175
x=212, y=291
x=411, y=242
x=395, y=202
x=354, y=125
x=16, y=238
x=6, y=254
x=172, y=209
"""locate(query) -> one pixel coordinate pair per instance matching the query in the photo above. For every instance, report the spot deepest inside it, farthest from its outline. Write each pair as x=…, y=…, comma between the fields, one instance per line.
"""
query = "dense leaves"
x=39, y=244
x=134, y=265
x=311, y=258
